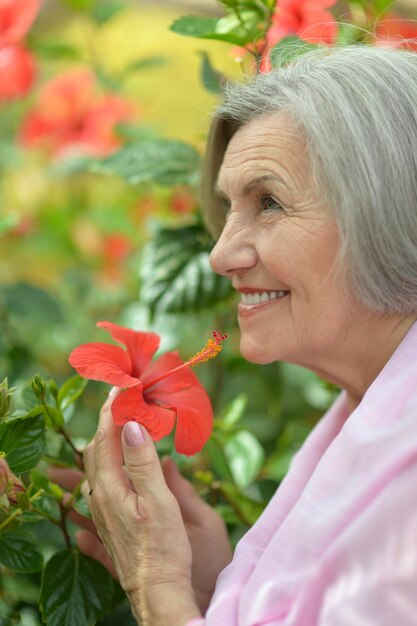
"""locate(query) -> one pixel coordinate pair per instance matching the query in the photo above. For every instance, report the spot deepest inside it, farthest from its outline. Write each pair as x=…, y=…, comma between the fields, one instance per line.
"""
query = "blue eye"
x=268, y=203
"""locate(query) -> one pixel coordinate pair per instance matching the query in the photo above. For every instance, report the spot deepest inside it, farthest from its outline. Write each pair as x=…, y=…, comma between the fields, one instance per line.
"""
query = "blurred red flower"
x=116, y=247
x=17, y=65
x=156, y=394
x=70, y=117
x=17, y=71
x=392, y=31
x=307, y=19
x=16, y=18
x=182, y=201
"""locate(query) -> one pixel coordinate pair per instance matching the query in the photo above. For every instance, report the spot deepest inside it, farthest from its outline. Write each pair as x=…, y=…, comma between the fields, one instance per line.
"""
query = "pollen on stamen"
x=210, y=350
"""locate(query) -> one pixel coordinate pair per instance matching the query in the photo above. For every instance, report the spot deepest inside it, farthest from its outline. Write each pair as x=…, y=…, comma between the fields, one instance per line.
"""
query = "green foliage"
x=70, y=391
x=288, y=49
x=231, y=28
x=163, y=161
x=22, y=439
x=75, y=591
x=15, y=300
x=176, y=275
x=19, y=552
x=212, y=80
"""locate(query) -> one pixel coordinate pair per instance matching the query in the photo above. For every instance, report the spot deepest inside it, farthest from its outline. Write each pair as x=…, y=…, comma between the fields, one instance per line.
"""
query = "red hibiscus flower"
x=70, y=117
x=16, y=18
x=17, y=71
x=392, y=31
x=157, y=394
x=17, y=65
x=307, y=19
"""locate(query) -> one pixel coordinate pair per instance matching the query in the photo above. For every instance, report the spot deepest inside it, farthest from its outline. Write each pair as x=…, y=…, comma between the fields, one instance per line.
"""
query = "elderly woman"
x=311, y=185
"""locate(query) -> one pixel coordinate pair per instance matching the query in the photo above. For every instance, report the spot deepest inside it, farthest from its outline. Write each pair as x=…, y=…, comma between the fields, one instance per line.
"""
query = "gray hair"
x=357, y=108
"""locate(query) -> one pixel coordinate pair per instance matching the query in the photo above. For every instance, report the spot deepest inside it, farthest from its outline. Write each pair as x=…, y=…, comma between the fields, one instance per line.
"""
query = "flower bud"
x=53, y=388
x=15, y=488
x=4, y=476
x=5, y=395
x=39, y=387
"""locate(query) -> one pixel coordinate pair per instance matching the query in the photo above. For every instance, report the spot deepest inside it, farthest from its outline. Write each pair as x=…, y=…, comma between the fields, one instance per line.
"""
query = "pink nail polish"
x=133, y=434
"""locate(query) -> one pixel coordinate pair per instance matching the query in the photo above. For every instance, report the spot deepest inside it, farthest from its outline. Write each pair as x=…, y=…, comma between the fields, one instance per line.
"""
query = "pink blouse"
x=337, y=544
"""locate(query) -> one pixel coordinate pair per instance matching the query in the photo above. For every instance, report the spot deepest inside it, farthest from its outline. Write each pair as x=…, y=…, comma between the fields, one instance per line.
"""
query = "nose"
x=234, y=252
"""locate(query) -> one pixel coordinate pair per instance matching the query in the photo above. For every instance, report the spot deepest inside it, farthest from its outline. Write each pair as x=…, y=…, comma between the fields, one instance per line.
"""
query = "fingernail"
x=133, y=434
x=113, y=392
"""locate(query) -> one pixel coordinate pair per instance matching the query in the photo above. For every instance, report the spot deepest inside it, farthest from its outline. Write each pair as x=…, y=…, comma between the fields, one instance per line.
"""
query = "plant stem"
x=11, y=517
x=74, y=495
x=63, y=525
x=19, y=511
x=77, y=453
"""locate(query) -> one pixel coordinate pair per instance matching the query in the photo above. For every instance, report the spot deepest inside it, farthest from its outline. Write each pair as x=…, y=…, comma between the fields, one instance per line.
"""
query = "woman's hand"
x=139, y=521
x=206, y=531
x=205, y=528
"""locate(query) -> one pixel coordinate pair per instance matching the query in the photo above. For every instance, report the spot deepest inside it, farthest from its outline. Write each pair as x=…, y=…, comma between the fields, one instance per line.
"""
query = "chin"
x=254, y=352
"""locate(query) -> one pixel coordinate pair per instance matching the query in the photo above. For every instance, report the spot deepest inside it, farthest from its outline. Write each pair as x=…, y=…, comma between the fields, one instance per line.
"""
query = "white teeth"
x=264, y=296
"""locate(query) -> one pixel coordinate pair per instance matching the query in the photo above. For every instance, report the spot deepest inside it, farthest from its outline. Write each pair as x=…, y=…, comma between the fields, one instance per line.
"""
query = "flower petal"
x=140, y=346
x=16, y=18
x=101, y=361
x=130, y=405
x=183, y=393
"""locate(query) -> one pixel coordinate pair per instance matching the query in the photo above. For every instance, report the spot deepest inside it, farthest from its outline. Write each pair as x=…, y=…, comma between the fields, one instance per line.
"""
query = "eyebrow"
x=251, y=185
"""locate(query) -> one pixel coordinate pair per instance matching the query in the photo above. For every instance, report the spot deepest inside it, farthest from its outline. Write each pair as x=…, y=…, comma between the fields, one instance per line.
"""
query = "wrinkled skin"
x=187, y=534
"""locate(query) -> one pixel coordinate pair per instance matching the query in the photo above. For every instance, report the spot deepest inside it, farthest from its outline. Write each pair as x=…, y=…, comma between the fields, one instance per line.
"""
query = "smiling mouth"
x=254, y=299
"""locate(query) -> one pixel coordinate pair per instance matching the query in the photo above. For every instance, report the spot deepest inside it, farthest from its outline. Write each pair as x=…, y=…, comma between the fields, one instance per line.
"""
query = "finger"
x=81, y=521
x=67, y=478
x=193, y=508
x=86, y=492
x=90, y=545
x=141, y=460
x=108, y=454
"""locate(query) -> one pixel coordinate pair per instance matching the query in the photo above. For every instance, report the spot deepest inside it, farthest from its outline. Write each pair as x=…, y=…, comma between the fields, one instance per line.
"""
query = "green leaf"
x=162, y=161
x=240, y=29
x=104, y=11
x=19, y=552
x=194, y=26
x=229, y=28
x=145, y=64
x=27, y=301
x=22, y=439
x=75, y=590
x=81, y=507
x=53, y=416
x=245, y=456
x=233, y=412
x=288, y=49
x=248, y=510
x=55, y=50
x=40, y=481
x=212, y=80
x=176, y=274
x=218, y=460
x=70, y=391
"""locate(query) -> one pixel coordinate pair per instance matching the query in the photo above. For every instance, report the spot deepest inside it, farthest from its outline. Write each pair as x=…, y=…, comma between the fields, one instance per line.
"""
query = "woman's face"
x=278, y=247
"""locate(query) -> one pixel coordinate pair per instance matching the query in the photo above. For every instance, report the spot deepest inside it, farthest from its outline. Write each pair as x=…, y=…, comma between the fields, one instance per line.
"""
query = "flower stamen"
x=210, y=350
